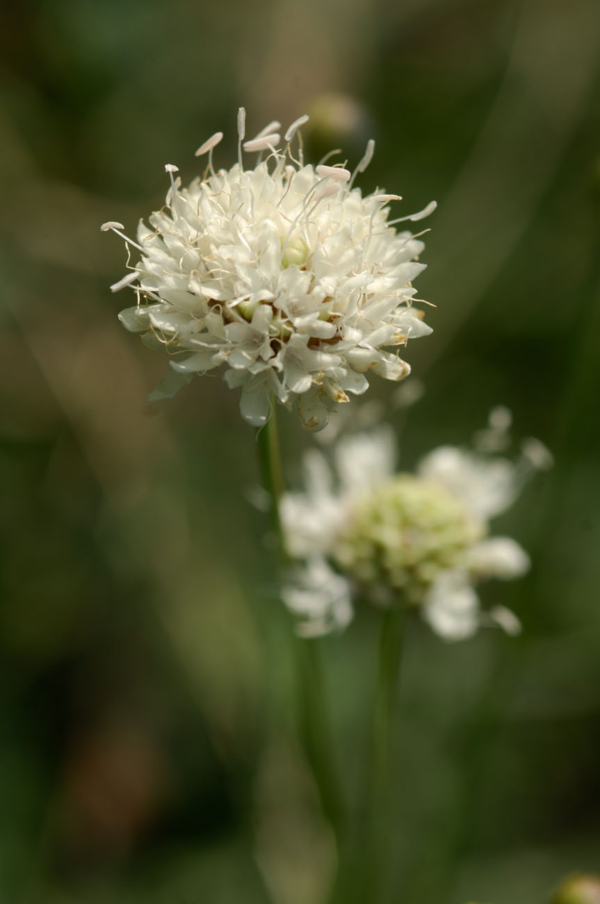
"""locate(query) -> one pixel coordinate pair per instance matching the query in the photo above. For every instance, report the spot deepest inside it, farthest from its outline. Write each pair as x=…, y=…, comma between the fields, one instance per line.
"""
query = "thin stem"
x=381, y=783
x=312, y=710
x=315, y=734
x=269, y=455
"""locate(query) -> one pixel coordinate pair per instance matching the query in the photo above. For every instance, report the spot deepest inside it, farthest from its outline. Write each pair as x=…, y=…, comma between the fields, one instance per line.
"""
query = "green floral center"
x=403, y=534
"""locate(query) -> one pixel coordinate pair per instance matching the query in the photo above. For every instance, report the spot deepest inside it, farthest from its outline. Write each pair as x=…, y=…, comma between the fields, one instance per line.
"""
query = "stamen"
x=425, y=212
x=126, y=281
x=116, y=228
x=294, y=127
x=364, y=162
x=413, y=217
x=328, y=155
x=305, y=208
x=334, y=172
x=368, y=156
x=290, y=172
x=266, y=142
x=209, y=144
x=385, y=199
x=272, y=127
x=326, y=192
x=170, y=168
x=241, y=125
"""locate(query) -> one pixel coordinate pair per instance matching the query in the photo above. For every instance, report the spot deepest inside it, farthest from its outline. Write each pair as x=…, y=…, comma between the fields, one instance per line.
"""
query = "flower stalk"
x=313, y=719
x=381, y=773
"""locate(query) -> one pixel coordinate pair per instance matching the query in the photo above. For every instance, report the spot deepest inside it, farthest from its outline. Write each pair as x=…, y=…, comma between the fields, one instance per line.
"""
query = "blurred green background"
x=147, y=750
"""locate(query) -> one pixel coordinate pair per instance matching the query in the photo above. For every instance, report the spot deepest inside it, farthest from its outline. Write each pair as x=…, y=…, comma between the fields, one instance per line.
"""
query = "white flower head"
x=281, y=274
x=423, y=536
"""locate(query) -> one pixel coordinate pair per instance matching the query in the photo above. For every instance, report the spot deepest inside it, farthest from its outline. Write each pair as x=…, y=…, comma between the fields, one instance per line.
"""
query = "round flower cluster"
x=403, y=534
x=284, y=275
x=363, y=530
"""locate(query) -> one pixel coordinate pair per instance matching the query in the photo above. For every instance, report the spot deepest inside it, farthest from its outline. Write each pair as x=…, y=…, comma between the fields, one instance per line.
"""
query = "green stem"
x=316, y=736
x=381, y=783
x=312, y=710
x=269, y=455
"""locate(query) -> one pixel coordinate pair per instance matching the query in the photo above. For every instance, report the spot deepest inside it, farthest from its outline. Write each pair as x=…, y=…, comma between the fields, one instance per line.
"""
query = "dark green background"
x=146, y=744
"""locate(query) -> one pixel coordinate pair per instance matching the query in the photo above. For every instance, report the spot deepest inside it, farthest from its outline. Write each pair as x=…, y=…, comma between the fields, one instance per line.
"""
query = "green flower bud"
x=295, y=254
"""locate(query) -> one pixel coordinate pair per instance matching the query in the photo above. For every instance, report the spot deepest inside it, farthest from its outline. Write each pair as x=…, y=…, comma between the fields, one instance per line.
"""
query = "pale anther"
x=241, y=123
x=384, y=199
x=126, y=281
x=334, y=172
x=209, y=144
x=262, y=144
x=112, y=224
x=295, y=126
x=368, y=156
x=423, y=213
x=272, y=127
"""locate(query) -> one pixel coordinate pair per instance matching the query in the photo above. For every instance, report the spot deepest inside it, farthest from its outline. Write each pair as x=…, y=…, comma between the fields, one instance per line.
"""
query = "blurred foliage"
x=147, y=751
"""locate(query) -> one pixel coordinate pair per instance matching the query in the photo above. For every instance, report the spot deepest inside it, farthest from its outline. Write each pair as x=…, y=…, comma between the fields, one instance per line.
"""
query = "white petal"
x=365, y=460
x=134, y=319
x=412, y=323
x=319, y=597
x=391, y=367
x=485, y=486
x=255, y=405
x=314, y=409
x=355, y=383
x=451, y=606
x=197, y=363
x=170, y=384
x=498, y=557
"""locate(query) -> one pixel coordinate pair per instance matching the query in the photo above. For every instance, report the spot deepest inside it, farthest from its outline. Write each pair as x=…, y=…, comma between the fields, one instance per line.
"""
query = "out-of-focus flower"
x=422, y=536
x=282, y=274
x=337, y=117
x=579, y=889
